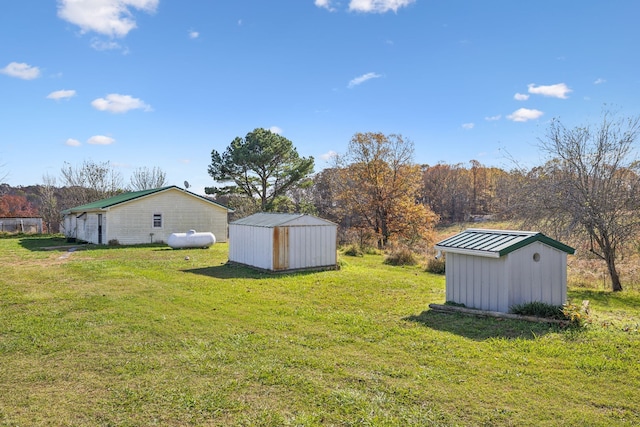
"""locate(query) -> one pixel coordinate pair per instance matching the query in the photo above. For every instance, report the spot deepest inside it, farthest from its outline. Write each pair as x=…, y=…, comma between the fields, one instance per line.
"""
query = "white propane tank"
x=191, y=239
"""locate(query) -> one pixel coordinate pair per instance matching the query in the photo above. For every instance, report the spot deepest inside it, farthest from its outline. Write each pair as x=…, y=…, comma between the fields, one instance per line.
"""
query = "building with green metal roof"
x=147, y=216
x=497, y=269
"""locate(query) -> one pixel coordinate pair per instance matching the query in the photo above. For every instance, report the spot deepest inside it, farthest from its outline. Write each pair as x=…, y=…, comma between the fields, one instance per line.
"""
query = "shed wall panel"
x=309, y=244
x=251, y=246
x=312, y=246
x=543, y=280
x=281, y=247
x=476, y=282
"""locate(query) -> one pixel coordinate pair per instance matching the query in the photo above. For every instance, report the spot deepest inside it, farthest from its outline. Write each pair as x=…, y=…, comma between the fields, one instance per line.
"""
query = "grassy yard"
x=148, y=336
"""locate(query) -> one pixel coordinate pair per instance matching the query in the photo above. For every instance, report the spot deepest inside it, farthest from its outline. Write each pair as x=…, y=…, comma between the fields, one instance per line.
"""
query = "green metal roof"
x=495, y=243
x=127, y=197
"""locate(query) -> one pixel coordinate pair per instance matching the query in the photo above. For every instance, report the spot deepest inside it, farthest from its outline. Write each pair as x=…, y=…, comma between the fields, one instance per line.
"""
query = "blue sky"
x=146, y=83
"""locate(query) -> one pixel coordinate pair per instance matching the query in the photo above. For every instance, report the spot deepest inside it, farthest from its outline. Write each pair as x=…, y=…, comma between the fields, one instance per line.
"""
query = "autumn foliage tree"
x=14, y=206
x=456, y=193
x=378, y=186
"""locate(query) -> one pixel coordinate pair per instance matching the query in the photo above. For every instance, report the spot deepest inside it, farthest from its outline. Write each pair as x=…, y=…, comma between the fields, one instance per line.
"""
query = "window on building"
x=157, y=220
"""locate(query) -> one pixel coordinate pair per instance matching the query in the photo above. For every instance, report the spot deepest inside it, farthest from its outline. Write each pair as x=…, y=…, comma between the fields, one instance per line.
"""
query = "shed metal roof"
x=495, y=243
x=126, y=197
x=268, y=219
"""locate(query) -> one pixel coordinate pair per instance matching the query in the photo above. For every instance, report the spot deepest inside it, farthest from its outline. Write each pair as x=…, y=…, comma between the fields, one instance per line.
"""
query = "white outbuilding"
x=147, y=216
x=283, y=242
x=496, y=269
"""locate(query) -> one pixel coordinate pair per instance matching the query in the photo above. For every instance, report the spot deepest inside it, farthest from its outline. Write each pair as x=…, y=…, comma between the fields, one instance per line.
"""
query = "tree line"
x=587, y=190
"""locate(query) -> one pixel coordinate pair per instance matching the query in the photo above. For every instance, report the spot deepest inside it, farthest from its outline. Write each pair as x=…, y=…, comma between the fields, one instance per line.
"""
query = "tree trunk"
x=616, y=286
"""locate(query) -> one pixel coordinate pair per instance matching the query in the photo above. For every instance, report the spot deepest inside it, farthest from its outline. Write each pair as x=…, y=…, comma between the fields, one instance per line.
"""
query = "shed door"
x=281, y=248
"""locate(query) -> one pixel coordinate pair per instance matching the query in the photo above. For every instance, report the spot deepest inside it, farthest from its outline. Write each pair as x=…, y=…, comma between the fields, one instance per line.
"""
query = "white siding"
x=251, y=245
x=476, y=282
x=311, y=244
x=88, y=228
x=496, y=284
x=132, y=222
x=544, y=280
x=69, y=226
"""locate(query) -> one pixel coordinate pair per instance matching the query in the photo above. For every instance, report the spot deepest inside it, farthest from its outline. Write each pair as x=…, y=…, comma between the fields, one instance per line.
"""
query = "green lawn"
x=145, y=336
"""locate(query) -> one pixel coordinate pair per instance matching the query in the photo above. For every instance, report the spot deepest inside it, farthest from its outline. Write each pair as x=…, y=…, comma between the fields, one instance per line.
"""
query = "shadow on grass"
x=47, y=242
x=59, y=243
x=236, y=271
x=481, y=328
x=227, y=271
x=626, y=300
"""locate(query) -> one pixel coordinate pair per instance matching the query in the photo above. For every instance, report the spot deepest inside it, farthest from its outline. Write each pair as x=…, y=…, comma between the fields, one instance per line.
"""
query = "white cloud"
x=276, y=130
x=378, y=6
x=112, y=18
x=72, y=142
x=116, y=103
x=363, y=78
x=193, y=34
x=328, y=155
x=21, y=71
x=100, y=140
x=524, y=114
x=521, y=96
x=559, y=90
x=599, y=81
x=98, y=44
x=61, y=94
x=493, y=118
x=468, y=126
x=325, y=4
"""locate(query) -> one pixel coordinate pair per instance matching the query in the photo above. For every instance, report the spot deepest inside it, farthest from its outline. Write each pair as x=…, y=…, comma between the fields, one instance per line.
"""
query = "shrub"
x=577, y=315
x=436, y=265
x=353, y=250
x=370, y=250
x=539, y=309
x=454, y=304
x=402, y=256
x=114, y=242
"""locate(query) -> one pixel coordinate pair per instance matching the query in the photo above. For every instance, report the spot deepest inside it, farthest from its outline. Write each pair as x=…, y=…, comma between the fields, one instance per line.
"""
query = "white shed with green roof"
x=497, y=269
x=147, y=216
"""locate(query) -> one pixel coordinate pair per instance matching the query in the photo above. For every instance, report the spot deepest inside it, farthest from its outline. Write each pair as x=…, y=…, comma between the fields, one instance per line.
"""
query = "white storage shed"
x=283, y=242
x=496, y=269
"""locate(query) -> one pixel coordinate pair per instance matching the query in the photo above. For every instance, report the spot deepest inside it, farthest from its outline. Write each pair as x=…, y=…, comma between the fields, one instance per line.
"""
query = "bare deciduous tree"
x=49, y=203
x=90, y=181
x=590, y=185
x=146, y=179
x=3, y=173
